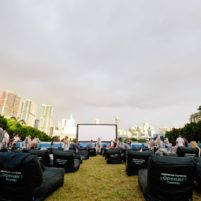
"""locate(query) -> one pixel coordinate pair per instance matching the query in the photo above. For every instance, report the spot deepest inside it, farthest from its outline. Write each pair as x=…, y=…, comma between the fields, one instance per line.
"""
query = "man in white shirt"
x=6, y=139
x=180, y=141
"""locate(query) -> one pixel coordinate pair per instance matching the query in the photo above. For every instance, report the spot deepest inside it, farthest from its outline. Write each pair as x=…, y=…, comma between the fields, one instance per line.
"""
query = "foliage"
x=3, y=122
x=134, y=139
x=142, y=140
x=191, y=131
x=15, y=127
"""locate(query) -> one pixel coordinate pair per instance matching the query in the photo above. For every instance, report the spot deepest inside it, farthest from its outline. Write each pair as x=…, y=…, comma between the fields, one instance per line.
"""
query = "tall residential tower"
x=9, y=104
x=45, y=118
x=28, y=112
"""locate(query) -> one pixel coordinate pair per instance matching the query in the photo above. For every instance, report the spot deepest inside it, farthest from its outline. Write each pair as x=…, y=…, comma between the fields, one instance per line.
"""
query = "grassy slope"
x=98, y=181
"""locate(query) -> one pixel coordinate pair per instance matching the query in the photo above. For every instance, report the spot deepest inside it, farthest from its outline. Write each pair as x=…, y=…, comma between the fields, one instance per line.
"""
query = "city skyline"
x=137, y=61
x=29, y=112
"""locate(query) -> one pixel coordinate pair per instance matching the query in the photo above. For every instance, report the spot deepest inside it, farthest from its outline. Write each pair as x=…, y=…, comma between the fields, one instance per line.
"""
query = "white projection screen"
x=88, y=132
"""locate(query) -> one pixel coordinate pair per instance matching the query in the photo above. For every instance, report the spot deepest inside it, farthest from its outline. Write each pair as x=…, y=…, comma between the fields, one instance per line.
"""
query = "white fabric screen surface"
x=95, y=131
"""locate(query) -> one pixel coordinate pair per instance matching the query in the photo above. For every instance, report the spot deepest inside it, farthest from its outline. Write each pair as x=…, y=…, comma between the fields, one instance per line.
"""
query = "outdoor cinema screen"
x=88, y=132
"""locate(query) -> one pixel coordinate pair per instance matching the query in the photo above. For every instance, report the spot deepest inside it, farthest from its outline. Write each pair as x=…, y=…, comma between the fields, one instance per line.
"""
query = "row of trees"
x=191, y=131
x=14, y=127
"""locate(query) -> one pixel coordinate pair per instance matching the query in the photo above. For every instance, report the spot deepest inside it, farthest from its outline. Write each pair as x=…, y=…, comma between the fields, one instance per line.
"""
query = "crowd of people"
x=160, y=144
x=10, y=143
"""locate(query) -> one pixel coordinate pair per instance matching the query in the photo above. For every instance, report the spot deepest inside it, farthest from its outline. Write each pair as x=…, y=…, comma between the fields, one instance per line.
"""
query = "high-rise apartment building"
x=9, y=104
x=45, y=118
x=28, y=112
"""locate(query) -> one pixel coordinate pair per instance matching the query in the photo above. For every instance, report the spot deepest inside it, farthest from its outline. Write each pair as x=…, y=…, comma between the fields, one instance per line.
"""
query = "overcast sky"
x=137, y=60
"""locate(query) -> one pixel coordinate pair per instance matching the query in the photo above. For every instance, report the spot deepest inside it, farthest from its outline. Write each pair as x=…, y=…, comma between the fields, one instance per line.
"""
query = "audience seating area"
x=26, y=174
x=22, y=178
x=33, y=174
x=169, y=177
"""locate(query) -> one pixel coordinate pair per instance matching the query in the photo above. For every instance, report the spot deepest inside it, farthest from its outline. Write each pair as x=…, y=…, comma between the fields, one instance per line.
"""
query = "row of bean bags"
x=138, y=160
x=43, y=156
x=119, y=155
x=63, y=159
x=22, y=178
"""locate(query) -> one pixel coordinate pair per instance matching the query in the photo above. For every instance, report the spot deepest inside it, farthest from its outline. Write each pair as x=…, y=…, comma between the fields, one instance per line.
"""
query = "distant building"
x=45, y=118
x=36, y=124
x=66, y=127
x=28, y=112
x=51, y=130
x=123, y=133
x=163, y=130
x=142, y=132
x=9, y=104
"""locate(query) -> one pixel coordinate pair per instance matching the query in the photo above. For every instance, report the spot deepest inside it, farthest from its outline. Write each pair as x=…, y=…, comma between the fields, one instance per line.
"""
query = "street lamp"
x=117, y=121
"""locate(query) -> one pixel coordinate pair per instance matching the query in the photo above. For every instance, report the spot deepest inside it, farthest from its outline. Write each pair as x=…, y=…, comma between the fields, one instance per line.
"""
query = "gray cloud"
x=100, y=59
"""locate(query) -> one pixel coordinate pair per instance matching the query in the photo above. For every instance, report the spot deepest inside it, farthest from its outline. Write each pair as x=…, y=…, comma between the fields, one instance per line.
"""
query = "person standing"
x=119, y=143
x=1, y=136
x=27, y=142
x=180, y=142
x=98, y=145
x=6, y=139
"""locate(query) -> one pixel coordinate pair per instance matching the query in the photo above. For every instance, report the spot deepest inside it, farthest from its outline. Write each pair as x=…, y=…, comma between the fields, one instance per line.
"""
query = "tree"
x=3, y=122
x=191, y=131
x=15, y=127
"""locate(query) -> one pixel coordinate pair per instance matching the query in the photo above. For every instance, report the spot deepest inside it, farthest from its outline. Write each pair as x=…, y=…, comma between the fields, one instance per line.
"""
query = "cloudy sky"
x=137, y=60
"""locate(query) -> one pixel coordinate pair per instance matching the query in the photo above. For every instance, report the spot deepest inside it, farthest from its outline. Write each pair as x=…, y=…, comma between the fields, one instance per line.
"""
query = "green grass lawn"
x=98, y=181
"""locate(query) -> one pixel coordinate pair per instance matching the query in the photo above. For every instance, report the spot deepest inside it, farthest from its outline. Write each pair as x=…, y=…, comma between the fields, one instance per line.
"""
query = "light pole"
x=117, y=121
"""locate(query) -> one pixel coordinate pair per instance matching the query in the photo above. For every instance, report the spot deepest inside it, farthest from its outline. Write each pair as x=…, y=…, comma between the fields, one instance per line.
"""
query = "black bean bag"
x=92, y=151
x=167, y=178
x=187, y=151
x=84, y=153
x=136, y=160
x=113, y=156
x=198, y=170
x=66, y=160
x=105, y=149
x=21, y=178
x=75, y=154
x=43, y=156
x=123, y=153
